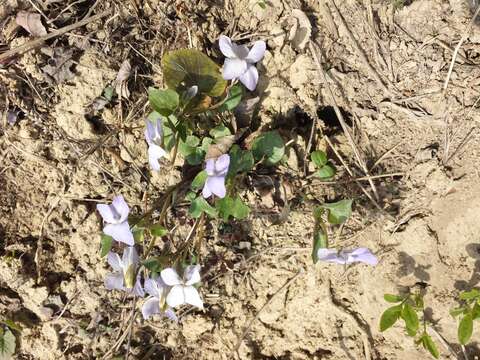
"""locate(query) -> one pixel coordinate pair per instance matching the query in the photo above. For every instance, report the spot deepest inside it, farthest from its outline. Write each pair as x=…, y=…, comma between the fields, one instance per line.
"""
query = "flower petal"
x=257, y=52
x=362, y=255
x=150, y=307
x=233, y=68
x=121, y=207
x=206, y=192
x=250, y=77
x=151, y=288
x=225, y=45
x=106, y=213
x=170, y=313
x=222, y=163
x=114, y=261
x=330, y=255
x=170, y=277
x=149, y=131
x=129, y=257
x=216, y=184
x=176, y=296
x=137, y=288
x=192, y=296
x=192, y=274
x=155, y=153
x=120, y=232
x=114, y=281
x=210, y=167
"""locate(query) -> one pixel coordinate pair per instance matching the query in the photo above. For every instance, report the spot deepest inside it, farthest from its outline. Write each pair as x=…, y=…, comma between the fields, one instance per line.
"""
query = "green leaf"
x=476, y=311
x=457, y=311
x=240, y=161
x=270, y=147
x=196, y=157
x=12, y=325
x=158, y=230
x=165, y=102
x=219, y=131
x=105, y=244
x=393, y=298
x=319, y=158
x=465, y=329
x=469, y=295
x=233, y=99
x=409, y=315
x=138, y=234
x=191, y=195
x=108, y=93
x=390, y=317
x=325, y=172
x=339, y=211
x=320, y=240
x=232, y=207
x=188, y=67
x=7, y=344
x=199, y=180
x=199, y=206
x=428, y=344
x=153, y=264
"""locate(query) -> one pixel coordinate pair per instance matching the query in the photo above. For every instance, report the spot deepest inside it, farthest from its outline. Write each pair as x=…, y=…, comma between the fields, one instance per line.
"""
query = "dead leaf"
x=121, y=82
x=301, y=29
x=58, y=68
x=31, y=22
x=221, y=147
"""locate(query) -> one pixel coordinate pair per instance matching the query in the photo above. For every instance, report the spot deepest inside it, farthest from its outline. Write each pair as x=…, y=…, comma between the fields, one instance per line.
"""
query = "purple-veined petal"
x=250, y=77
x=210, y=167
x=114, y=281
x=257, y=52
x=170, y=313
x=330, y=255
x=151, y=287
x=176, y=296
x=121, y=207
x=225, y=45
x=155, y=153
x=241, y=51
x=233, y=68
x=221, y=165
x=216, y=184
x=149, y=131
x=106, y=213
x=137, y=288
x=192, y=296
x=150, y=307
x=363, y=255
x=130, y=257
x=170, y=277
x=114, y=261
x=192, y=274
x=206, y=192
x=120, y=232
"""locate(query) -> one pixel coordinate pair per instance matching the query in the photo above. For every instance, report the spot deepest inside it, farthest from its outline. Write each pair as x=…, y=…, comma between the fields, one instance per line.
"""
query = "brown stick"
x=37, y=42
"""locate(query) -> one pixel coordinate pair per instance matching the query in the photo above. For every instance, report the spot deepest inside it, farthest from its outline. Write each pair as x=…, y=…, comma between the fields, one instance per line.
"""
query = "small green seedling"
x=469, y=312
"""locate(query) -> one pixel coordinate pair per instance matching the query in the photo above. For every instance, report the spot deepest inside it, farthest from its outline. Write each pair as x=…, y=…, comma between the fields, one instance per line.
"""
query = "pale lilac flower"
x=240, y=61
x=217, y=170
x=183, y=291
x=115, y=216
x=156, y=302
x=154, y=137
x=347, y=256
x=124, y=270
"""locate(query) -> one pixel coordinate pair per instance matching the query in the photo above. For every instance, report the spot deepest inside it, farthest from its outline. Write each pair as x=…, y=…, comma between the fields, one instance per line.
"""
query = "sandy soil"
x=63, y=156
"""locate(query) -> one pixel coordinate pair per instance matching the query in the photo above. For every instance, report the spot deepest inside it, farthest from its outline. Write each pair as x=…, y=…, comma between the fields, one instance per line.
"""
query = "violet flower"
x=124, y=270
x=217, y=170
x=154, y=137
x=347, y=256
x=156, y=302
x=240, y=61
x=115, y=216
x=183, y=291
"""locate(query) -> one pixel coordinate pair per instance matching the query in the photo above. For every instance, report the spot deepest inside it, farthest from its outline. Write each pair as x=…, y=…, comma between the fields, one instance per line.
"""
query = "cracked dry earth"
x=56, y=163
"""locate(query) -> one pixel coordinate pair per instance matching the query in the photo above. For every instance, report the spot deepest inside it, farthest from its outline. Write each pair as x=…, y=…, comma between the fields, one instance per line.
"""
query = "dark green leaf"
x=199, y=206
x=240, y=161
x=270, y=147
x=7, y=344
x=233, y=99
x=320, y=240
x=189, y=67
x=196, y=157
x=428, y=344
x=232, y=207
x=319, y=158
x=153, y=265
x=393, y=298
x=219, y=131
x=469, y=295
x=338, y=212
x=325, y=172
x=409, y=315
x=199, y=180
x=158, y=230
x=390, y=317
x=465, y=329
x=165, y=102
x=105, y=244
